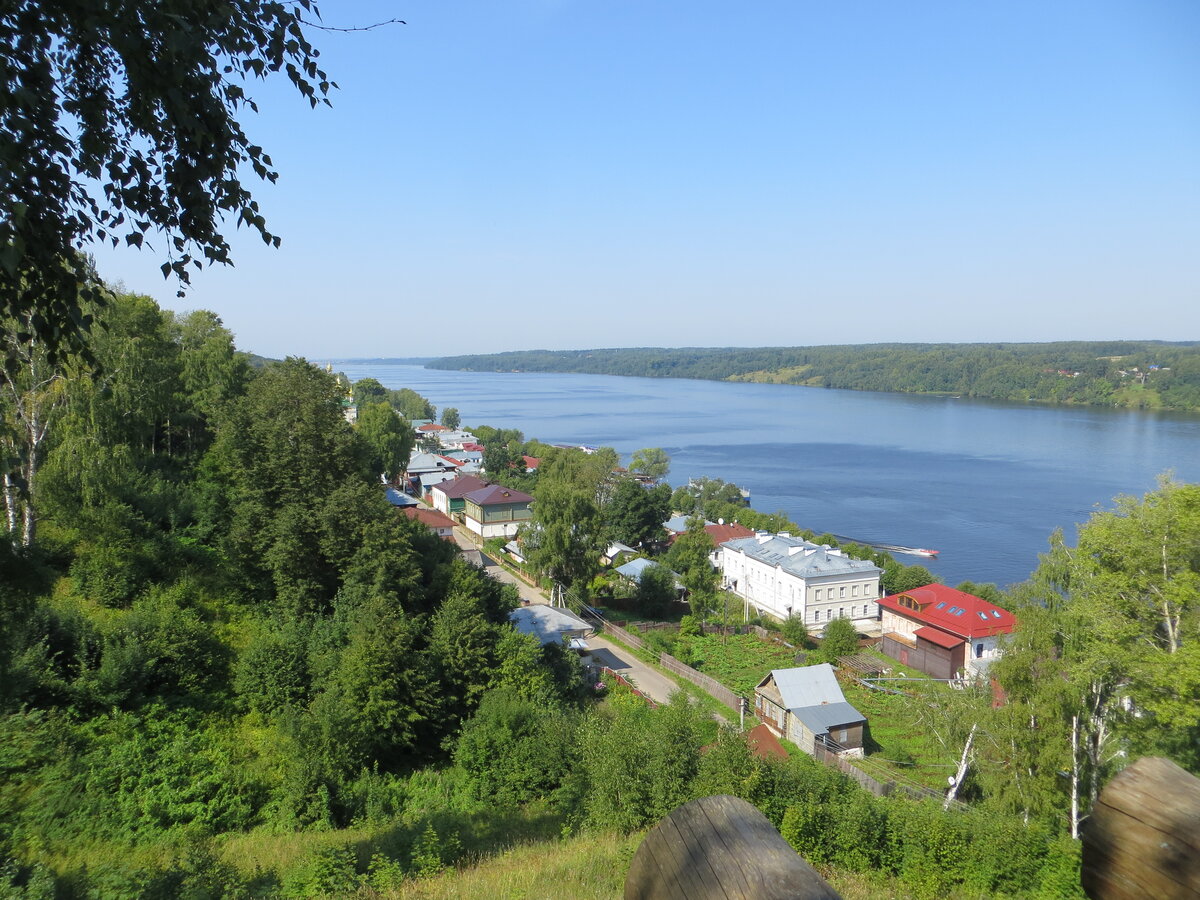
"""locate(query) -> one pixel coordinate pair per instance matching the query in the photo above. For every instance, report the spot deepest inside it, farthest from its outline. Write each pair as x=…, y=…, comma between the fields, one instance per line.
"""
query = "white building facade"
x=781, y=575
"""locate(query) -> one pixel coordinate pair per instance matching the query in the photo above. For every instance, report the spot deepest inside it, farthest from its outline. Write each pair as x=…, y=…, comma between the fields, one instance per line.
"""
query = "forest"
x=1126, y=374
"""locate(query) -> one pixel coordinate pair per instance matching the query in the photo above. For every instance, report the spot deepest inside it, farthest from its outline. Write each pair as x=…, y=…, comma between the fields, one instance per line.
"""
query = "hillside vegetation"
x=229, y=668
x=1127, y=374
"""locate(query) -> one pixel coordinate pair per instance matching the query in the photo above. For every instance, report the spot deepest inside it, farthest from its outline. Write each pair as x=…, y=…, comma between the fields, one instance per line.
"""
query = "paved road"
x=647, y=679
x=528, y=593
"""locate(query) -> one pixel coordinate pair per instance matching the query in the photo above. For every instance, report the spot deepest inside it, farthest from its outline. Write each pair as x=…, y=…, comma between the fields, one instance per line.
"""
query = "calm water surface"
x=984, y=483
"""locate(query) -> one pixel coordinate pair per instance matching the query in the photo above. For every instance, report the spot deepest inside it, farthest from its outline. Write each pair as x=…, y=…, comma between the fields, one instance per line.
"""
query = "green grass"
x=739, y=661
x=896, y=741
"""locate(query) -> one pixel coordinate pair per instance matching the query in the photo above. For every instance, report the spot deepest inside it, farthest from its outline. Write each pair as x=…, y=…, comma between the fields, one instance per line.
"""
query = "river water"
x=984, y=483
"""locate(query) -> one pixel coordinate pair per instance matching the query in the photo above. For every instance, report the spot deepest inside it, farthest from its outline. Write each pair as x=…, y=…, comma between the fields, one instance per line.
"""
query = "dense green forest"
x=1130, y=374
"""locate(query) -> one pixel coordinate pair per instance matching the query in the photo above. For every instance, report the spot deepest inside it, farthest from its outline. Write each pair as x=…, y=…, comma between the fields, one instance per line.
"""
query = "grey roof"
x=808, y=686
x=420, y=463
x=616, y=548
x=799, y=557
x=678, y=524
x=820, y=719
x=549, y=624
x=634, y=568
x=398, y=499
x=812, y=694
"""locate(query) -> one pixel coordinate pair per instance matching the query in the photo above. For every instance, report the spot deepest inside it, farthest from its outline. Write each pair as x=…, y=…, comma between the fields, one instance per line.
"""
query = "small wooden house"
x=806, y=705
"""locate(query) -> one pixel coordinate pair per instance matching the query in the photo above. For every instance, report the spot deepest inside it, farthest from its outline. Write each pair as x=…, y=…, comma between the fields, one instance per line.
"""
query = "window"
x=842, y=592
x=853, y=611
x=841, y=612
x=816, y=593
x=854, y=591
x=816, y=615
x=828, y=614
x=978, y=650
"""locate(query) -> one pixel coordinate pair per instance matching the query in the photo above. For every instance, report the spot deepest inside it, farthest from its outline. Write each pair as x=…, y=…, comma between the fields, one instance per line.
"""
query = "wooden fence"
x=622, y=680
x=827, y=752
x=710, y=685
x=719, y=692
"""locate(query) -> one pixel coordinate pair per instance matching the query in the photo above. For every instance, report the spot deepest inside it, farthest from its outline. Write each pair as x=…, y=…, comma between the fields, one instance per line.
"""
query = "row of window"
x=816, y=616
x=841, y=592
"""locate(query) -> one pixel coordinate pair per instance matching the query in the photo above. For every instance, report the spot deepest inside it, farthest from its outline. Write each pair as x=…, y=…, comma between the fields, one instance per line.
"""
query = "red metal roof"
x=432, y=427
x=939, y=637
x=729, y=532
x=429, y=517
x=947, y=609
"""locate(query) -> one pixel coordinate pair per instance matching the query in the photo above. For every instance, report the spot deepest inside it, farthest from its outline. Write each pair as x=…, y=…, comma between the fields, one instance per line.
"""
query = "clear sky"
x=568, y=174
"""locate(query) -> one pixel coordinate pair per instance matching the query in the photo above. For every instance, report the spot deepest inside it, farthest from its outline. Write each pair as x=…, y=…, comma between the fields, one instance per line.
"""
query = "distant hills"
x=1126, y=374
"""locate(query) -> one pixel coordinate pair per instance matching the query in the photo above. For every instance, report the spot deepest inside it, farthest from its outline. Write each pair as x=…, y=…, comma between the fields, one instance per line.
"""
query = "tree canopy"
x=119, y=123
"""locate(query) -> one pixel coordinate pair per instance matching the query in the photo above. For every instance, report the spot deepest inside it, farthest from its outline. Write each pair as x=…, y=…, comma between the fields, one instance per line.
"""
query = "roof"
x=763, y=743
x=396, y=498
x=678, y=524
x=812, y=694
x=799, y=557
x=428, y=462
x=532, y=462
x=635, y=567
x=950, y=610
x=461, y=486
x=939, y=637
x=616, y=548
x=807, y=686
x=495, y=494
x=451, y=460
x=722, y=532
x=430, y=517
x=820, y=719
x=432, y=426
x=549, y=624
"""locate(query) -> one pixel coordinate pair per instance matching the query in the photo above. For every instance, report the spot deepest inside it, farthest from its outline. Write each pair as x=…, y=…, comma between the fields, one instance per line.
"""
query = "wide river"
x=984, y=483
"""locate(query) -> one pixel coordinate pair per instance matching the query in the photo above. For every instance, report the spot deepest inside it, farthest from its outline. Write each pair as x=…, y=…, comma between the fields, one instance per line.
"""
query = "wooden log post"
x=720, y=847
x=1142, y=838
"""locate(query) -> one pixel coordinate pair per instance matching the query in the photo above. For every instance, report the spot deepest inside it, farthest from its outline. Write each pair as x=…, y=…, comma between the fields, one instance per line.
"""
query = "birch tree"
x=31, y=389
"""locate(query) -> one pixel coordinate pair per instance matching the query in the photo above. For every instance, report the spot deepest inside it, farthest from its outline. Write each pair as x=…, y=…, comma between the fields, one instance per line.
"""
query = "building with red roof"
x=439, y=523
x=943, y=631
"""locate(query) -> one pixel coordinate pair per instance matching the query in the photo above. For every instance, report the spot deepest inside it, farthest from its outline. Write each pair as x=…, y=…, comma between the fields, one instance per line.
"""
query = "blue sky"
x=563, y=174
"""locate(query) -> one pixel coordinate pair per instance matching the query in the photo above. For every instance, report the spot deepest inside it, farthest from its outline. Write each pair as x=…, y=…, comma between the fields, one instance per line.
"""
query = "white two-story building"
x=781, y=575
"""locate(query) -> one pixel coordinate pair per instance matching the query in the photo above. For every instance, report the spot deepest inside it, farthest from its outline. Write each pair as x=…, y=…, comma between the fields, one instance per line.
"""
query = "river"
x=984, y=483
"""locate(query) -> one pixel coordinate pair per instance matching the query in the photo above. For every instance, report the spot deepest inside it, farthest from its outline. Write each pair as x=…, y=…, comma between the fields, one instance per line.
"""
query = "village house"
x=496, y=511
x=447, y=497
x=424, y=470
x=807, y=707
x=614, y=552
x=550, y=624
x=942, y=631
x=781, y=575
x=439, y=523
x=719, y=533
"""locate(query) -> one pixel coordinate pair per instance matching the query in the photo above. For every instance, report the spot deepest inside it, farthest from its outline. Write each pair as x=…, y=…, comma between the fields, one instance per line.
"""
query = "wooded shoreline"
x=1149, y=375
